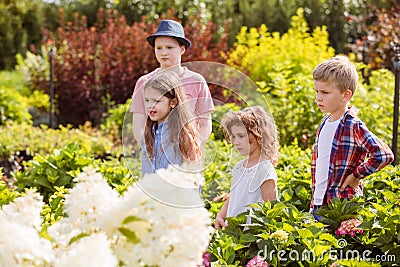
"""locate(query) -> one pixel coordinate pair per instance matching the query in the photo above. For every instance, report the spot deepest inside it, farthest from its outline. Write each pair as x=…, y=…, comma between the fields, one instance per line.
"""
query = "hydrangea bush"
x=159, y=221
x=20, y=227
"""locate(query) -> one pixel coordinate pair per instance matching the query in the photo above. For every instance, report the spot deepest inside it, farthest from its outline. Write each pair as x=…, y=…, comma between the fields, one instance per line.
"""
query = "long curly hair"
x=181, y=121
x=260, y=124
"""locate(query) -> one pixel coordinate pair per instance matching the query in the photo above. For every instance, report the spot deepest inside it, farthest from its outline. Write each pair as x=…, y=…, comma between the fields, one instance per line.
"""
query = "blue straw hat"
x=170, y=28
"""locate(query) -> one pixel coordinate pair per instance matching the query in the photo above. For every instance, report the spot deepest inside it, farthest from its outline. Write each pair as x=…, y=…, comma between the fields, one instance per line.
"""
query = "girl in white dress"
x=253, y=133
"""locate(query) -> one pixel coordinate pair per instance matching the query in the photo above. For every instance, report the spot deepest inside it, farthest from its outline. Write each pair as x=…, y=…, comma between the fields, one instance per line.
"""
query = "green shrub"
x=7, y=195
x=114, y=122
x=217, y=115
x=56, y=170
x=297, y=233
x=378, y=210
x=14, y=80
x=13, y=107
x=262, y=55
x=53, y=210
x=282, y=66
x=16, y=138
x=47, y=173
x=34, y=68
x=294, y=176
x=19, y=96
x=117, y=173
x=374, y=100
x=39, y=108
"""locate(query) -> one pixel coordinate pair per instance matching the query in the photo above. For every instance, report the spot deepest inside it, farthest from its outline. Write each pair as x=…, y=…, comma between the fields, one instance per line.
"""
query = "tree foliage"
x=378, y=32
x=20, y=23
x=98, y=66
x=282, y=66
x=21, y=20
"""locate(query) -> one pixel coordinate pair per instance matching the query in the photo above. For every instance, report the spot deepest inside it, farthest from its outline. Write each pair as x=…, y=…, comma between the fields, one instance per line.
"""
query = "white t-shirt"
x=325, y=140
x=245, y=186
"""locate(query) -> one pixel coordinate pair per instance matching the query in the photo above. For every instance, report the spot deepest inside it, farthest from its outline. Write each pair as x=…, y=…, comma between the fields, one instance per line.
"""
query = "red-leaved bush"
x=380, y=28
x=99, y=66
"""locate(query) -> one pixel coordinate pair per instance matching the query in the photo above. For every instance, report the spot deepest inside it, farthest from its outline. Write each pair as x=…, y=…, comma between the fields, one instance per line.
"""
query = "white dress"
x=245, y=186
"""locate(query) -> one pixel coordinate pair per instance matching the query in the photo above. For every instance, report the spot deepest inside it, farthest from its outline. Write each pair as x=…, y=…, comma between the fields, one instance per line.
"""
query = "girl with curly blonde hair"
x=253, y=133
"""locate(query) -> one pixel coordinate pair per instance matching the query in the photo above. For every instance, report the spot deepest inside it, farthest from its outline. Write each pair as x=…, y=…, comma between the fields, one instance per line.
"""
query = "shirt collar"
x=351, y=111
x=160, y=127
x=183, y=73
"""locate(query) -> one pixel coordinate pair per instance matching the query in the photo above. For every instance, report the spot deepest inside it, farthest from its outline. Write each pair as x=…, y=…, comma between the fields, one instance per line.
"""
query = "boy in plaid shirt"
x=343, y=142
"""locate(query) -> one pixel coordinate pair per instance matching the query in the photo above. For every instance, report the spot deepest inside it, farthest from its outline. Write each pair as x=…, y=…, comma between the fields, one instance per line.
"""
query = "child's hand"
x=349, y=181
x=219, y=223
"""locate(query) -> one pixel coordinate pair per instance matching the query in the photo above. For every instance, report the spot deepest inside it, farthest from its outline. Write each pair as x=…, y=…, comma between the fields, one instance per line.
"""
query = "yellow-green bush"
x=18, y=103
x=14, y=79
x=262, y=54
x=15, y=138
x=282, y=67
x=6, y=194
x=375, y=103
x=13, y=107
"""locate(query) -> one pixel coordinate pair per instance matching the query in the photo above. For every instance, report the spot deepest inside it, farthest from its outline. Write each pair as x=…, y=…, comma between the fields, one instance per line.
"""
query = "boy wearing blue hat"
x=169, y=43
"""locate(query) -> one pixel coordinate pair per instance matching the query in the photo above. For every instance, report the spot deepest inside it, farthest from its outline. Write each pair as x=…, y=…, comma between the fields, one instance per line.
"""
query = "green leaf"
x=301, y=192
x=66, y=153
x=129, y=234
x=328, y=237
x=247, y=238
x=44, y=182
x=63, y=180
x=265, y=236
x=83, y=161
x=51, y=172
x=305, y=233
x=52, y=165
x=389, y=195
x=287, y=194
x=52, y=179
x=287, y=227
x=381, y=210
x=239, y=246
x=78, y=237
x=131, y=219
x=320, y=249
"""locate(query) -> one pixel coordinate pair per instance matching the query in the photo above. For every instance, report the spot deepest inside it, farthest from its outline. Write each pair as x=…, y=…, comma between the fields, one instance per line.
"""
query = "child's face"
x=244, y=141
x=330, y=100
x=168, y=51
x=157, y=105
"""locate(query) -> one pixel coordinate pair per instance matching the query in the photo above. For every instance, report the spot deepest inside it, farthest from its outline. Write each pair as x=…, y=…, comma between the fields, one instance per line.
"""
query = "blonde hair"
x=261, y=125
x=180, y=119
x=339, y=70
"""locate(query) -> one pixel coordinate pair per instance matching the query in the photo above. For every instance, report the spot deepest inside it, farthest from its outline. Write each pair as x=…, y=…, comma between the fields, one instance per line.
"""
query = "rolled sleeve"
x=380, y=155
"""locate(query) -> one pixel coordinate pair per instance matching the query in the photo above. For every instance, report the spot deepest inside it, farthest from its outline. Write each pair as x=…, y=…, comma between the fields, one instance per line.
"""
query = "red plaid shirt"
x=351, y=145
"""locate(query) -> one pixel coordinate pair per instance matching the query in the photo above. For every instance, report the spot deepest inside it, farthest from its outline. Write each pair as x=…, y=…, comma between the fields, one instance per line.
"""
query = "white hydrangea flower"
x=25, y=209
x=20, y=225
x=187, y=175
x=180, y=229
x=92, y=250
x=173, y=187
x=90, y=198
x=160, y=221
